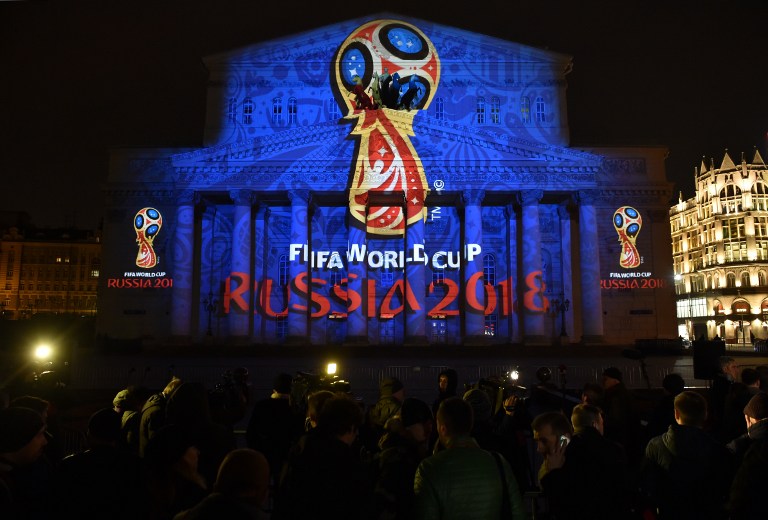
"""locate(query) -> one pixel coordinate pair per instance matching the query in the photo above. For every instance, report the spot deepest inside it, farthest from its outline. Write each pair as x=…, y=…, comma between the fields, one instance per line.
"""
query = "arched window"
x=541, y=115
x=232, y=110
x=481, y=110
x=730, y=198
x=284, y=271
x=489, y=270
x=277, y=111
x=495, y=111
x=292, y=111
x=730, y=280
x=247, y=111
x=525, y=110
x=745, y=279
x=760, y=196
x=440, y=109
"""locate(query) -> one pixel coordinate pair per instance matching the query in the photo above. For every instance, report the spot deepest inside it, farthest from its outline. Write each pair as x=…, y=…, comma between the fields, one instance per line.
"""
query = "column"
x=260, y=274
x=241, y=279
x=534, y=305
x=472, y=262
x=567, y=269
x=183, y=265
x=298, y=304
x=591, y=298
x=357, y=272
x=512, y=273
x=415, y=319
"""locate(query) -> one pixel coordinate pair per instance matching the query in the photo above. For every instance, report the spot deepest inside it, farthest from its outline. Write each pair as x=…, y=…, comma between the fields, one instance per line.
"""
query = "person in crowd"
x=755, y=415
x=315, y=402
x=662, y=415
x=747, y=498
x=686, y=473
x=463, y=480
x=54, y=450
x=552, y=431
x=153, y=413
x=188, y=407
x=22, y=440
x=391, y=395
x=403, y=446
x=447, y=382
x=101, y=481
x=587, y=464
x=128, y=403
x=172, y=480
x=241, y=490
x=621, y=423
x=231, y=398
x=324, y=476
x=593, y=393
x=727, y=375
x=275, y=424
x=740, y=393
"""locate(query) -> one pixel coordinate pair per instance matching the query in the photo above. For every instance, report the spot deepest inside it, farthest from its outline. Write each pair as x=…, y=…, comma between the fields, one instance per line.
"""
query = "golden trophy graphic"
x=627, y=221
x=147, y=224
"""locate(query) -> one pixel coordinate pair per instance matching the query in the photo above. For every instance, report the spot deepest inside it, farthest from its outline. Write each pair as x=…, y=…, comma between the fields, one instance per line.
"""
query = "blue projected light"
x=618, y=220
x=153, y=213
x=152, y=230
x=632, y=229
x=139, y=221
x=631, y=212
x=405, y=40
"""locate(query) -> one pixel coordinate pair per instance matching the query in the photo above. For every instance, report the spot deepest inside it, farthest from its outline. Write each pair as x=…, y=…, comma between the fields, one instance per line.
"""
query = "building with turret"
x=720, y=252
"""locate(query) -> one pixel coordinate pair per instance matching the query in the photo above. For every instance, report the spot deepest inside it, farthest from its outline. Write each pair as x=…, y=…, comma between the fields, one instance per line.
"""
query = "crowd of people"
x=473, y=453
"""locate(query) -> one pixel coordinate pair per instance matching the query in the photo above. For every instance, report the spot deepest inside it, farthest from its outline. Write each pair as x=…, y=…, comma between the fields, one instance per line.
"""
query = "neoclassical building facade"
x=720, y=252
x=387, y=181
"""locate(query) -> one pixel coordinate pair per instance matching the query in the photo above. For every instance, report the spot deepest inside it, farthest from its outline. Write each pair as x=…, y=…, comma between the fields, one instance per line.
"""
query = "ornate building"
x=49, y=272
x=384, y=181
x=720, y=252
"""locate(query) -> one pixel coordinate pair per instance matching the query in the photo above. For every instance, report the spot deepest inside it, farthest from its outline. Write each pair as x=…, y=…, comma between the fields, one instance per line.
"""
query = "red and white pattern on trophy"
x=399, y=66
x=147, y=224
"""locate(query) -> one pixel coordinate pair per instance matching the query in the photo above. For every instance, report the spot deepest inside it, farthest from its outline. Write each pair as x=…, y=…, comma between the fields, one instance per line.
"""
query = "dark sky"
x=79, y=77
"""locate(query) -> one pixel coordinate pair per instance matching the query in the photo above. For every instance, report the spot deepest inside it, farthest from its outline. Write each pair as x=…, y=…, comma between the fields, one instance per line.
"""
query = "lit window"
x=247, y=111
x=525, y=110
x=481, y=110
x=438, y=328
x=94, y=273
x=489, y=270
x=284, y=271
x=231, y=116
x=495, y=111
x=540, y=110
x=490, y=325
x=292, y=111
x=277, y=111
x=440, y=109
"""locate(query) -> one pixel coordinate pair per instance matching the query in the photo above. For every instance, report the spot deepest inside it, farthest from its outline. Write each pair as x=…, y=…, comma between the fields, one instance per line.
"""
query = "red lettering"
x=536, y=287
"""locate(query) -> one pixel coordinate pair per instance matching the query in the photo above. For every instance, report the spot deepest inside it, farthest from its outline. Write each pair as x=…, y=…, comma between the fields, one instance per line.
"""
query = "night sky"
x=80, y=77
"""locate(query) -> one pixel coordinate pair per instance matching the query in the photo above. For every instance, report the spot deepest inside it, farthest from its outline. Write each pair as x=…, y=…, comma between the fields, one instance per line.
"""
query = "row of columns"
x=185, y=311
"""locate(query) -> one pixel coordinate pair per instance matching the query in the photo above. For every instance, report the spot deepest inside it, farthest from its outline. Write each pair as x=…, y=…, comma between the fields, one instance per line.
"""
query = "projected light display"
x=380, y=180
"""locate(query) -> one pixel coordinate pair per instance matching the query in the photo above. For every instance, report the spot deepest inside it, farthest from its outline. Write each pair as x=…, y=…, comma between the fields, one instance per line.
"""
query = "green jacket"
x=462, y=482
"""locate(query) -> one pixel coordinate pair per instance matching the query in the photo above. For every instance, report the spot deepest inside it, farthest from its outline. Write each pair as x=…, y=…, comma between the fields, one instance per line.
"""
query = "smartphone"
x=563, y=441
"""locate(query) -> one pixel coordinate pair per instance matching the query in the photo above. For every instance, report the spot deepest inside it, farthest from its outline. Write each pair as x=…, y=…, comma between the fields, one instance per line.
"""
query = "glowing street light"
x=330, y=369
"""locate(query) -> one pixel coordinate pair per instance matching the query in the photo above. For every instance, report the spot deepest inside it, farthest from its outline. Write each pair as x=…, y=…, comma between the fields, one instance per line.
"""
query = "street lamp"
x=211, y=304
x=561, y=305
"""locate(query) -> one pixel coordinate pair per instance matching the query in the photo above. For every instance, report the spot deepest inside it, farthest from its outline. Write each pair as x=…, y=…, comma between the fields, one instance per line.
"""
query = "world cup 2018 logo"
x=628, y=222
x=147, y=224
x=398, y=65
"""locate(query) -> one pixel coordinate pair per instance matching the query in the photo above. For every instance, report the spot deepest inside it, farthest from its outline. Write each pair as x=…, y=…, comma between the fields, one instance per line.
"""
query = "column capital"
x=530, y=197
x=587, y=197
x=187, y=197
x=242, y=197
x=299, y=197
x=473, y=197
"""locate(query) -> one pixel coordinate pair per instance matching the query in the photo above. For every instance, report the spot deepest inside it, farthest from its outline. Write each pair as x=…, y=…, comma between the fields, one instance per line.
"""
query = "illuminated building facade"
x=720, y=252
x=49, y=272
x=385, y=181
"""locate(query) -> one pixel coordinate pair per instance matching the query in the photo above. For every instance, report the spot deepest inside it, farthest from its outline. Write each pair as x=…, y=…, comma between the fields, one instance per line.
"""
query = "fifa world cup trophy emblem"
x=147, y=224
x=628, y=222
x=399, y=66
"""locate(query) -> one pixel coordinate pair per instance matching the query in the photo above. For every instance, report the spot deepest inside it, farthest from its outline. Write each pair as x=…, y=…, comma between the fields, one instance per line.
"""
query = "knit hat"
x=122, y=398
x=389, y=386
x=18, y=426
x=282, y=384
x=414, y=411
x=482, y=408
x=757, y=407
x=613, y=372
